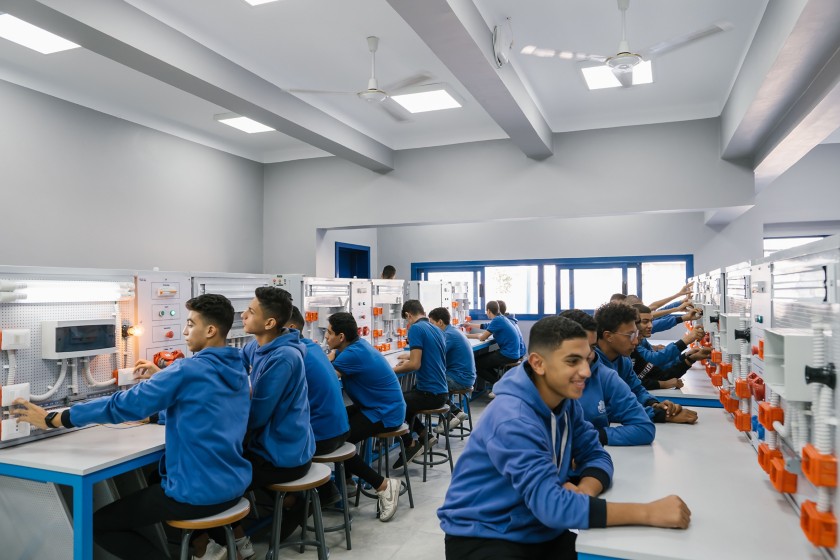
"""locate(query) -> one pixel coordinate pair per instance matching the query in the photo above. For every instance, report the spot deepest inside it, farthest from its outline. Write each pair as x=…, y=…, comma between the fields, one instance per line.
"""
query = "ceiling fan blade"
x=683, y=40
x=415, y=80
x=539, y=52
x=395, y=110
x=624, y=76
x=320, y=91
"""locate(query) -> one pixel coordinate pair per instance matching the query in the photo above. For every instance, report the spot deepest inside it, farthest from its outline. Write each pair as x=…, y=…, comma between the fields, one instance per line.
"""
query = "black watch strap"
x=49, y=419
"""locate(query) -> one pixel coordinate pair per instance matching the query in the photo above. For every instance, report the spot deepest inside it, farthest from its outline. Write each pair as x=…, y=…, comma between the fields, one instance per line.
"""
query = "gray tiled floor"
x=411, y=534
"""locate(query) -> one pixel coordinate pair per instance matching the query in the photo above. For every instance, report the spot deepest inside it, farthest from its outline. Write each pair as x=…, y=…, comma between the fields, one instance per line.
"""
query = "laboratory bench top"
x=88, y=450
x=735, y=512
x=697, y=385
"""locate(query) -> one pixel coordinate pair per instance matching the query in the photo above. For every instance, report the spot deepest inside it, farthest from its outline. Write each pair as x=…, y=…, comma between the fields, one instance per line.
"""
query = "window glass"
x=662, y=279
x=632, y=280
x=565, y=289
x=594, y=286
x=550, y=289
x=516, y=285
x=773, y=244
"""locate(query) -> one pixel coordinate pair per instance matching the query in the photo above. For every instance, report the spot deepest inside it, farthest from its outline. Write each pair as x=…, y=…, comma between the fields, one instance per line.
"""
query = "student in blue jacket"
x=427, y=359
x=203, y=471
x=378, y=404
x=460, y=362
x=617, y=338
x=607, y=399
x=670, y=354
x=508, y=339
x=512, y=318
x=511, y=495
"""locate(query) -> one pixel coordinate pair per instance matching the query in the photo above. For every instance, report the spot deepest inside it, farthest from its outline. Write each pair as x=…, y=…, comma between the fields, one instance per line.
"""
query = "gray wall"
x=84, y=189
x=656, y=168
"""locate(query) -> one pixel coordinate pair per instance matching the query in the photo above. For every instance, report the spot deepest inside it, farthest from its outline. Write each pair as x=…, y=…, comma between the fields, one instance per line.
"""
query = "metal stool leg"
x=319, y=524
x=442, y=418
x=185, y=544
x=276, y=523
x=231, y=543
x=307, y=500
x=405, y=474
x=339, y=469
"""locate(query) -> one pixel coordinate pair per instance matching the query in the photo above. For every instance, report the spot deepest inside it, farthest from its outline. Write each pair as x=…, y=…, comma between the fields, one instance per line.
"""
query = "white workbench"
x=697, y=390
x=735, y=512
x=80, y=459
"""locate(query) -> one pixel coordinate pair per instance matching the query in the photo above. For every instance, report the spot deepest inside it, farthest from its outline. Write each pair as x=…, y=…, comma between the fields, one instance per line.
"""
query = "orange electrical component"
x=757, y=387
x=710, y=369
x=717, y=380
x=377, y=311
x=402, y=332
x=766, y=456
x=717, y=356
x=742, y=388
x=819, y=468
x=783, y=481
x=311, y=316
x=761, y=348
x=402, y=343
x=743, y=421
x=454, y=305
x=377, y=333
x=729, y=404
x=820, y=527
x=455, y=320
x=725, y=369
x=755, y=350
x=768, y=414
x=365, y=330
x=467, y=318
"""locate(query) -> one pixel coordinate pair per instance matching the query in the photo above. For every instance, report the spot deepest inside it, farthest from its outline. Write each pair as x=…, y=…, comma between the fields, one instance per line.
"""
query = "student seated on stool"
x=202, y=471
x=511, y=347
x=520, y=455
x=377, y=407
x=427, y=359
x=460, y=362
x=326, y=405
x=607, y=399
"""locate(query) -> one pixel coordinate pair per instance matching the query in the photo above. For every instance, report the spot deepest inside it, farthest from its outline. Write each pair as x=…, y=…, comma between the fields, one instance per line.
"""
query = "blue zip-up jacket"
x=623, y=366
x=327, y=413
x=607, y=399
x=515, y=322
x=507, y=483
x=279, y=428
x=664, y=358
x=206, y=402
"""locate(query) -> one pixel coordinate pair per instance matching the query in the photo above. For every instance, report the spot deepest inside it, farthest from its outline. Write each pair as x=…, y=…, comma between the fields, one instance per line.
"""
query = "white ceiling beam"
x=460, y=38
x=126, y=35
x=784, y=98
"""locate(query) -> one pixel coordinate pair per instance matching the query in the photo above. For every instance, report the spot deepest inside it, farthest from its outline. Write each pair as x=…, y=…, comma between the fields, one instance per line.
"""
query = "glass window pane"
x=565, y=290
x=594, y=286
x=550, y=289
x=516, y=285
x=773, y=244
x=463, y=276
x=662, y=279
x=632, y=288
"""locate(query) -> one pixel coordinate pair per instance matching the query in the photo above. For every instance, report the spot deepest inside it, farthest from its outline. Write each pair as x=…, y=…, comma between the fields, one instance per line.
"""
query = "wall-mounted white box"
x=786, y=353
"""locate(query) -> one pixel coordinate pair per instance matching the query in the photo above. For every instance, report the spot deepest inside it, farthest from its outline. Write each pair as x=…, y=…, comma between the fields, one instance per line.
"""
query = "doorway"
x=352, y=261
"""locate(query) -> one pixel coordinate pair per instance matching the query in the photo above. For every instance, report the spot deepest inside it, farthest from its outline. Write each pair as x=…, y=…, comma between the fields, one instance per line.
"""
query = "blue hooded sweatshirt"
x=279, y=428
x=328, y=415
x=206, y=402
x=664, y=358
x=606, y=398
x=508, y=337
x=623, y=366
x=508, y=483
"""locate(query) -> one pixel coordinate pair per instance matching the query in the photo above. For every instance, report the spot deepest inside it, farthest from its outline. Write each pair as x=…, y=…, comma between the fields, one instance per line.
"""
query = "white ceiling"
x=320, y=44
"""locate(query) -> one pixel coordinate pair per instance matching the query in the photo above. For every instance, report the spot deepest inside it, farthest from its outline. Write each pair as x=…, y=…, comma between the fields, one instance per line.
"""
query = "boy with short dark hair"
x=520, y=456
x=511, y=347
x=203, y=471
x=460, y=362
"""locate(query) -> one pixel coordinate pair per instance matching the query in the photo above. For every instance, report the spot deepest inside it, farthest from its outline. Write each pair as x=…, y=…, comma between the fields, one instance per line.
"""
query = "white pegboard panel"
x=37, y=522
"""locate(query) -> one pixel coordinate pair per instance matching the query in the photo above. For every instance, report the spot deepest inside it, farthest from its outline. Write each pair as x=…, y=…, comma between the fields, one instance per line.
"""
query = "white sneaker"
x=388, y=500
x=491, y=395
x=452, y=424
x=245, y=548
x=214, y=551
x=462, y=416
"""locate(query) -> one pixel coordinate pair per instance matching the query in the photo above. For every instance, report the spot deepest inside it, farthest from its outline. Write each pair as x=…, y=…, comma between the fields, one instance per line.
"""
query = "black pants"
x=362, y=428
x=114, y=525
x=467, y=548
x=420, y=400
x=487, y=364
x=329, y=445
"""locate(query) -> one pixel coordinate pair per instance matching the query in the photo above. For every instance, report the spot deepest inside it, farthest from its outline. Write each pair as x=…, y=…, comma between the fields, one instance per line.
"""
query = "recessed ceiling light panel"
x=601, y=77
x=258, y=2
x=32, y=37
x=242, y=123
x=431, y=97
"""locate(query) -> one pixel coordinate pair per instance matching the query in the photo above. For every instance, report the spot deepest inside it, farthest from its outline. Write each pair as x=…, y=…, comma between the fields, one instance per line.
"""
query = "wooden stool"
x=504, y=368
x=318, y=474
x=464, y=404
x=428, y=459
x=223, y=519
x=346, y=451
x=381, y=447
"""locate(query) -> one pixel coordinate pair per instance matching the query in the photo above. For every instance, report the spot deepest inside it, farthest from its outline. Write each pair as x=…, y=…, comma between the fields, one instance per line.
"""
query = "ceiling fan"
x=379, y=97
x=624, y=60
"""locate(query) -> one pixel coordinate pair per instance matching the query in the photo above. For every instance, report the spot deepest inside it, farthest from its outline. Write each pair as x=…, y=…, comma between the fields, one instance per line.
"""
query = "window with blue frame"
x=535, y=288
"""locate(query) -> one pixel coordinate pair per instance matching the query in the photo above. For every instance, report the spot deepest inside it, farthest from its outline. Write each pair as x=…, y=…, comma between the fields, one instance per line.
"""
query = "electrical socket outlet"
x=15, y=339
x=9, y=393
x=125, y=376
x=12, y=429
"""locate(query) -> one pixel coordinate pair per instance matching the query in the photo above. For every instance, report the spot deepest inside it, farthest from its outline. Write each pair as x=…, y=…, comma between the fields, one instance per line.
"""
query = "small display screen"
x=85, y=337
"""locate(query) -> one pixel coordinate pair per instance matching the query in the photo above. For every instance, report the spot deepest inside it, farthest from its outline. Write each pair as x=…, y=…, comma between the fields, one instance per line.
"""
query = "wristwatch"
x=49, y=419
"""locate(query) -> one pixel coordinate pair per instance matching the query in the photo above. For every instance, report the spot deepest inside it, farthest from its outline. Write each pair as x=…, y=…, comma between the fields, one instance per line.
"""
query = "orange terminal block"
x=768, y=414
x=711, y=368
x=783, y=481
x=377, y=311
x=743, y=421
x=717, y=380
x=766, y=456
x=454, y=304
x=819, y=468
x=729, y=404
x=742, y=388
x=820, y=527
x=377, y=333
x=455, y=320
x=402, y=343
x=717, y=356
x=467, y=318
x=402, y=332
x=761, y=348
